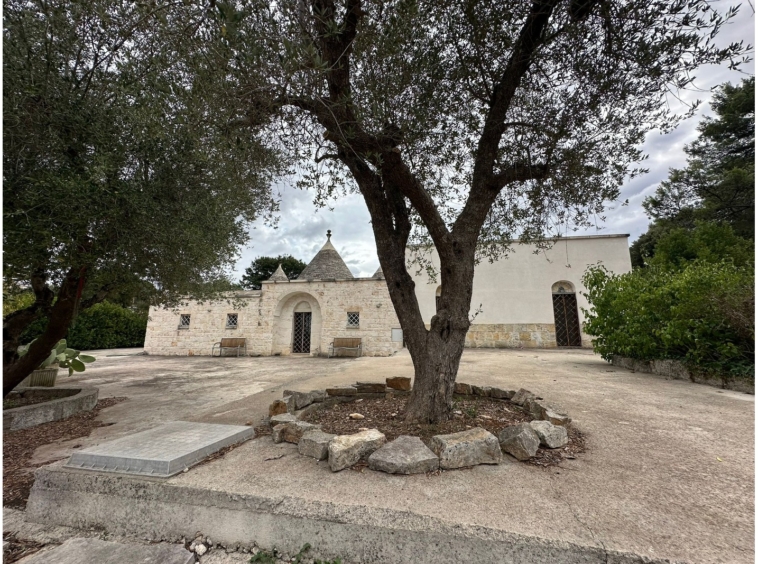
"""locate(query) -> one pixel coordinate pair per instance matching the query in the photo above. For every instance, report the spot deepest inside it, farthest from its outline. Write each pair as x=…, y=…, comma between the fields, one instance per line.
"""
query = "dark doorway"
x=567, y=333
x=301, y=333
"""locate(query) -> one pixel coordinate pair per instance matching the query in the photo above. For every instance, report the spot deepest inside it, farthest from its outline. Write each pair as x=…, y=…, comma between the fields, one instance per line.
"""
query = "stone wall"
x=265, y=319
x=678, y=371
x=514, y=335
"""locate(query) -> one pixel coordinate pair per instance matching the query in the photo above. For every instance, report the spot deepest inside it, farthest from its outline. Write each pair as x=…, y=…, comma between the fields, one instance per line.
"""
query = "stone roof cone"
x=326, y=264
x=279, y=275
x=379, y=275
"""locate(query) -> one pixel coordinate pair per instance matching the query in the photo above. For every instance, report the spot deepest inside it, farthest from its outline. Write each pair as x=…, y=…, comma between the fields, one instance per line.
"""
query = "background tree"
x=718, y=183
x=263, y=267
x=120, y=177
x=465, y=126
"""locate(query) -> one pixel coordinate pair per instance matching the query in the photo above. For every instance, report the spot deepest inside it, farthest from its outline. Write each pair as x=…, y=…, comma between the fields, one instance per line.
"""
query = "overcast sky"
x=302, y=227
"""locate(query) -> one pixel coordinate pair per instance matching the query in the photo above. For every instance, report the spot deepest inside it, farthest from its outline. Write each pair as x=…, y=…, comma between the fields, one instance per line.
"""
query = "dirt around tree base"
x=19, y=447
x=470, y=411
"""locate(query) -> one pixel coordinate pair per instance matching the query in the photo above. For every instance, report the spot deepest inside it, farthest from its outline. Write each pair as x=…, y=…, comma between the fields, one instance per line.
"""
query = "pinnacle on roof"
x=279, y=275
x=379, y=275
x=326, y=264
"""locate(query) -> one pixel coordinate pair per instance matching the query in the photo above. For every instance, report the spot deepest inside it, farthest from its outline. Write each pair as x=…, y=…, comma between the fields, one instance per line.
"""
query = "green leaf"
x=61, y=346
x=49, y=360
x=61, y=357
x=87, y=358
x=71, y=352
x=77, y=365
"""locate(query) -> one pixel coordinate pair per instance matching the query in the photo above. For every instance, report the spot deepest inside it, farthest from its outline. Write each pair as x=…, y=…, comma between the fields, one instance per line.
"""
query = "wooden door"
x=301, y=332
x=567, y=333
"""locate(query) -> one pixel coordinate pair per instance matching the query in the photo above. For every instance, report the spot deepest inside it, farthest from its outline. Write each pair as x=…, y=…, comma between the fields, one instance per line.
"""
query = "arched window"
x=437, y=298
x=566, y=312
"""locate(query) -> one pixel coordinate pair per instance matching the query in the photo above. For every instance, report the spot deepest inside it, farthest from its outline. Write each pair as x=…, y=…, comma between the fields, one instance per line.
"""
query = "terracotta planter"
x=41, y=377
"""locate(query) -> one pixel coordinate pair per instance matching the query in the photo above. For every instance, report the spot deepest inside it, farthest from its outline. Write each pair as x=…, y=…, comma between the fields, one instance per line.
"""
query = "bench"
x=345, y=344
x=230, y=343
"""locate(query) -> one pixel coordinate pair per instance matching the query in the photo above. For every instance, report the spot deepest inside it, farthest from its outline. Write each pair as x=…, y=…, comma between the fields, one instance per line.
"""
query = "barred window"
x=353, y=319
x=231, y=320
x=184, y=321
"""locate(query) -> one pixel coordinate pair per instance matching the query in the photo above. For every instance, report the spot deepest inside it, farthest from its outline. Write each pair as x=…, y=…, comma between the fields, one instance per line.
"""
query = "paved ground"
x=669, y=471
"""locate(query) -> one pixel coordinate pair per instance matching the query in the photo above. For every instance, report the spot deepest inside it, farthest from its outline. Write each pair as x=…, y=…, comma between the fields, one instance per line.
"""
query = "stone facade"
x=265, y=319
x=513, y=298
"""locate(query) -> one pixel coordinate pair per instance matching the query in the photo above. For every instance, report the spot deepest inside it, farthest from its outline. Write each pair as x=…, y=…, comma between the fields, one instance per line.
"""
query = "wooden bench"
x=230, y=343
x=345, y=344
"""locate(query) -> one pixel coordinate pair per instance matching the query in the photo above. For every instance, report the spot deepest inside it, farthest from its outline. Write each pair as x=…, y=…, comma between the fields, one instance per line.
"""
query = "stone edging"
x=679, y=371
x=70, y=402
x=407, y=454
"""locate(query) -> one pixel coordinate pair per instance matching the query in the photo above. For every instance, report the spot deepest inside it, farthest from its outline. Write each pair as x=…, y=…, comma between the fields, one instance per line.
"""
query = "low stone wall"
x=678, y=371
x=69, y=402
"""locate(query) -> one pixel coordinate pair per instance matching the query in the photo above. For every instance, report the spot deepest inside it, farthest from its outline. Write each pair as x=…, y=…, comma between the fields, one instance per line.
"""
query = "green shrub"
x=702, y=314
x=103, y=326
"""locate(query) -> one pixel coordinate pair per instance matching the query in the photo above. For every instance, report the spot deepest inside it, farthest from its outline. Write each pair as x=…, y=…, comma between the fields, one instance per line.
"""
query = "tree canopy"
x=263, y=267
x=466, y=125
x=120, y=174
x=718, y=183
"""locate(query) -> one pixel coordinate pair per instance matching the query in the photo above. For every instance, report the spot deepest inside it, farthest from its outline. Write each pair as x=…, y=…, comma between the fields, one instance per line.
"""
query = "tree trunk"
x=61, y=315
x=435, y=367
x=17, y=322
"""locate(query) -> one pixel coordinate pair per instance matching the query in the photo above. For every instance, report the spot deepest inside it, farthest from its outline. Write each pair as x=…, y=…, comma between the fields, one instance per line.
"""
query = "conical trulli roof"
x=378, y=274
x=326, y=264
x=279, y=275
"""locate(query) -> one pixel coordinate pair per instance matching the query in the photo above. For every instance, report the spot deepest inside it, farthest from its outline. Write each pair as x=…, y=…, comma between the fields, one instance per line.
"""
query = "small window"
x=184, y=321
x=231, y=320
x=353, y=319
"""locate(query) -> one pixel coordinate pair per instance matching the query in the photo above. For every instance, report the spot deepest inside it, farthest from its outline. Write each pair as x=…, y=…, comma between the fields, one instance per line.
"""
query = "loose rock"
x=346, y=450
x=318, y=395
x=462, y=389
x=520, y=441
x=557, y=418
x=279, y=407
x=281, y=418
x=292, y=431
x=315, y=443
x=483, y=391
x=467, y=448
x=399, y=383
x=551, y=436
x=404, y=455
x=301, y=399
x=356, y=416
x=497, y=393
x=521, y=396
x=370, y=387
x=342, y=391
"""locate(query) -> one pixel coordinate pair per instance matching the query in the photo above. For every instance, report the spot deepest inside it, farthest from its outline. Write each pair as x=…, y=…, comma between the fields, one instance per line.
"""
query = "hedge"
x=702, y=314
x=103, y=326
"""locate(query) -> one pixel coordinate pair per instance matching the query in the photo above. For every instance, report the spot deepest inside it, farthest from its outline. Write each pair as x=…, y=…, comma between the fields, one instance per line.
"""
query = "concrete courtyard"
x=669, y=470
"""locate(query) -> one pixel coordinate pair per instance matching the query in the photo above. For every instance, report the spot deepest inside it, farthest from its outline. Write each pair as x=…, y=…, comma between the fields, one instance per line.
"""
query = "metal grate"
x=184, y=321
x=353, y=319
x=301, y=333
x=231, y=320
x=567, y=332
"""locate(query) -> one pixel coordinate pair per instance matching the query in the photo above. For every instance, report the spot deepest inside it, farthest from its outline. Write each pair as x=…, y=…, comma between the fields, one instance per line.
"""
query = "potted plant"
x=60, y=357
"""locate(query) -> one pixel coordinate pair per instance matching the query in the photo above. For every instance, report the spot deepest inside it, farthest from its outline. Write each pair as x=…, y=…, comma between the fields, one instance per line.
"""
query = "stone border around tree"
x=408, y=454
x=69, y=402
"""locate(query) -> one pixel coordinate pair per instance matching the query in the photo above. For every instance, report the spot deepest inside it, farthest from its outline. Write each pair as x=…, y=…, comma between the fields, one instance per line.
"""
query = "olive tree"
x=120, y=174
x=465, y=125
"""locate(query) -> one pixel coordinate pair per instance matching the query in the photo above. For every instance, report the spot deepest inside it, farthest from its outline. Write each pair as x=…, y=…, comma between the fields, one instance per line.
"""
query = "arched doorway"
x=297, y=325
x=301, y=328
x=566, y=312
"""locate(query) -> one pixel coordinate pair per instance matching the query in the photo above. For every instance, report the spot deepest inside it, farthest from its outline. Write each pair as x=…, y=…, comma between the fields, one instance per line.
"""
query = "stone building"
x=530, y=299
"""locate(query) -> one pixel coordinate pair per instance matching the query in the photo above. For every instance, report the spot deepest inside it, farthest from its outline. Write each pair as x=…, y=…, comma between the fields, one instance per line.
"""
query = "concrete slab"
x=95, y=551
x=162, y=451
